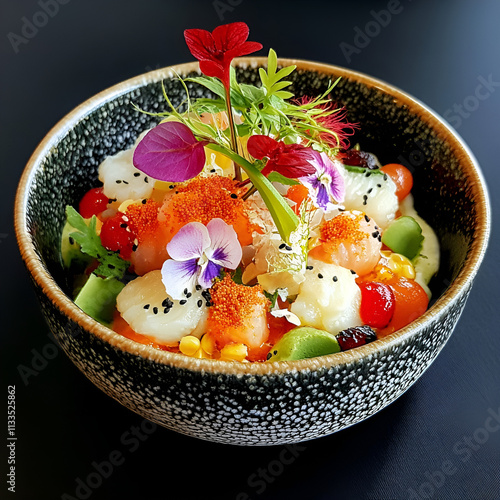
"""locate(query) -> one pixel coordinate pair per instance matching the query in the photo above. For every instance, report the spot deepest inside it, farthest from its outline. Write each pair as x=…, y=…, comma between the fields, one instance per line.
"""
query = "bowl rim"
x=49, y=287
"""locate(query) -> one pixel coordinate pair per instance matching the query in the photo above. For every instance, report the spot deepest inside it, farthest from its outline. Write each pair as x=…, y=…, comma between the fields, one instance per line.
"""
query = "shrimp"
x=238, y=315
x=351, y=240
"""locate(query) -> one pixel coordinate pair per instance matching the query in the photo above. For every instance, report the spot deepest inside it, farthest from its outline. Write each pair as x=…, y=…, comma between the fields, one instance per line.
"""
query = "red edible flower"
x=216, y=50
x=290, y=160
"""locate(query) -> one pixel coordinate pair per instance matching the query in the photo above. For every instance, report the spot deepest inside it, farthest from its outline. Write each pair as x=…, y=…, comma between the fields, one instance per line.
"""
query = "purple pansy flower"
x=198, y=254
x=326, y=185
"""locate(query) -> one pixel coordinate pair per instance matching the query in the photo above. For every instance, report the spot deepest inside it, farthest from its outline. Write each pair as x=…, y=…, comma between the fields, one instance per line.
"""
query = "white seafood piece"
x=122, y=181
x=149, y=310
x=371, y=193
x=329, y=298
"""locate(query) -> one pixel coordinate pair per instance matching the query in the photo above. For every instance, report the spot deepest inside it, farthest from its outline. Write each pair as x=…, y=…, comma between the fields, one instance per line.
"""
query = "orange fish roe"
x=206, y=198
x=342, y=228
x=233, y=303
x=143, y=218
x=210, y=198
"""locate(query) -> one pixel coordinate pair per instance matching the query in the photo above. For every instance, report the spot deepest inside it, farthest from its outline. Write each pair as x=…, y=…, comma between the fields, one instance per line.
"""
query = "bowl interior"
x=447, y=187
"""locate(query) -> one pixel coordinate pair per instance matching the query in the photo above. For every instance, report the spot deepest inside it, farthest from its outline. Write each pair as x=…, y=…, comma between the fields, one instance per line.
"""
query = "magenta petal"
x=225, y=249
x=208, y=273
x=189, y=242
x=170, y=152
x=179, y=276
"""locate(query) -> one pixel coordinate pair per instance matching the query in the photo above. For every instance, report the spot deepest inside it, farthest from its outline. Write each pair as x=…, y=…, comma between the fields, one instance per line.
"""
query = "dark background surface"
x=439, y=440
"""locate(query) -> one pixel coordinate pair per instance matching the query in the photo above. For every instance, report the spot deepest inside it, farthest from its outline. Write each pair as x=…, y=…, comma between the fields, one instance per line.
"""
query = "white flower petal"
x=225, y=249
x=179, y=276
x=190, y=242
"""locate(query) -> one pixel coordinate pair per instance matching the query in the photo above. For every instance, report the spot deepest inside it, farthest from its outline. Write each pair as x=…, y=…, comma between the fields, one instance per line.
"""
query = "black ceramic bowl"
x=261, y=403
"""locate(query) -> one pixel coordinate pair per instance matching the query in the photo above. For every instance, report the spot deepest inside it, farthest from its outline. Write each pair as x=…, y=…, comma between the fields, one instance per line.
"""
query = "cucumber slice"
x=98, y=298
x=404, y=236
x=304, y=342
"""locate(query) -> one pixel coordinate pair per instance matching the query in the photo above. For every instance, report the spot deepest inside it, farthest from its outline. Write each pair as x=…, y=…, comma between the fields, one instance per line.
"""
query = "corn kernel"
x=234, y=352
x=402, y=266
x=189, y=345
x=208, y=344
x=201, y=354
x=123, y=206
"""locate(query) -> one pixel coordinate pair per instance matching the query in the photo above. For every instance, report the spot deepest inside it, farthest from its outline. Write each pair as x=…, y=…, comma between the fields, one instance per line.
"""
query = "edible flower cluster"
x=268, y=135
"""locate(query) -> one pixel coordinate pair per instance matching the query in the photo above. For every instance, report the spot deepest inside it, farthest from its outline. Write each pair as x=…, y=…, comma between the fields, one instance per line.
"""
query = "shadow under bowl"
x=259, y=403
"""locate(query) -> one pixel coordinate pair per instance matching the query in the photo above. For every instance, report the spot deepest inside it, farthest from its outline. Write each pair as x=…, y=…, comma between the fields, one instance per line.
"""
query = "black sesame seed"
x=171, y=186
x=309, y=268
x=385, y=177
x=376, y=227
x=182, y=302
x=379, y=185
x=320, y=276
x=269, y=356
x=375, y=234
x=340, y=209
x=275, y=352
x=167, y=303
x=155, y=310
x=283, y=245
x=288, y=248
x=370, y=190
x=166, y=310
x=368, y=174
x=134, y=247
x=367, y=219
x=185, y=291
x=137, y=174
x=71, y=240
x=352, y=272
x=177, y=192
x=199, y=303
x=118, y=181
x=124, y=225
x=188, y=295
x=125, y=182
x=146, y=179
x=335, y=279
x=379, y=238
x=234, y=196
x=144, y=201
x=111, y=266
x=212, y=171
x=198, y=287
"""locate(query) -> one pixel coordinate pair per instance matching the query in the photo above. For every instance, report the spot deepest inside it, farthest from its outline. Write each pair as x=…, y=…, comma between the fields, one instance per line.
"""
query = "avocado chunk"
x=71, y=255
x=303, y=342
x=404, y=236
x=98, y=298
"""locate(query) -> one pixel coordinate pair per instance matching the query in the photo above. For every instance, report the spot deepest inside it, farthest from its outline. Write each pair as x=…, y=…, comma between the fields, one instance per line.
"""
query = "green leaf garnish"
x=111, y=265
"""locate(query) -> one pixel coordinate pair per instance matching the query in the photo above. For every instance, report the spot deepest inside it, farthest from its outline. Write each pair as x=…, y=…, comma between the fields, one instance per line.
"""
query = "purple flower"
x=326, y=185
x=198, y=254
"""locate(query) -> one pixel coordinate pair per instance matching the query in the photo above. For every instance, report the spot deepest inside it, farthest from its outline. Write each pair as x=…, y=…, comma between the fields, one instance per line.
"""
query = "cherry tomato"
x=411, y=302
x=377, y=304
x=401, y=176
x=93, y=203
x=116, y=236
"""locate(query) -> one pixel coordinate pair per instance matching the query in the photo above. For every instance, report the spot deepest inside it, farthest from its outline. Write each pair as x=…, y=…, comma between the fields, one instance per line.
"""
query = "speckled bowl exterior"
x=262, y=403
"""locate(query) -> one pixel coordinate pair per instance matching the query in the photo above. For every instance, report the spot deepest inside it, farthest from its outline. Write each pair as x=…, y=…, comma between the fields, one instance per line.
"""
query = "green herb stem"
x=232, y=130
x=285, y=219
